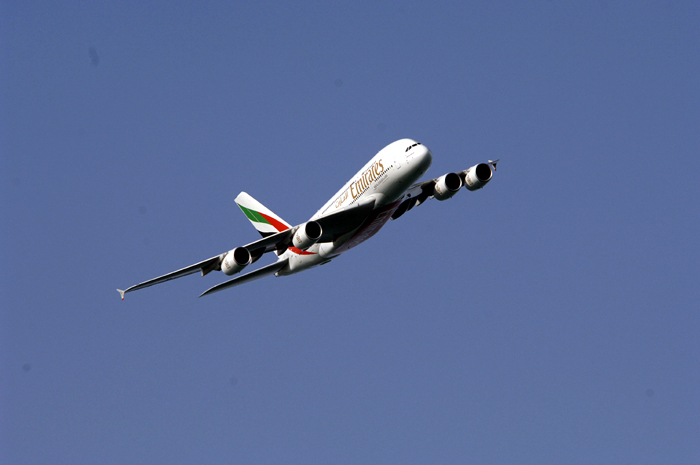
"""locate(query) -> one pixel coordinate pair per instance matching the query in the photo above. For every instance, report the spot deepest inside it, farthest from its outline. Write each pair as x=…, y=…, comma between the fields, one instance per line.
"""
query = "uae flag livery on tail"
x=262, y=218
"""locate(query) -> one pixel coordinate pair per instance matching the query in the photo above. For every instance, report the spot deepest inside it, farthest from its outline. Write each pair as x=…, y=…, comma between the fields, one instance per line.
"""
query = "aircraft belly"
x=302, y=261
x=370, y=227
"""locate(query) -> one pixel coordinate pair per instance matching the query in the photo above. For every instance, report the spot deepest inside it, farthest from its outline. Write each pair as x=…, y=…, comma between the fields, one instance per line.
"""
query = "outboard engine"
x=235, y=260
x=477, y=176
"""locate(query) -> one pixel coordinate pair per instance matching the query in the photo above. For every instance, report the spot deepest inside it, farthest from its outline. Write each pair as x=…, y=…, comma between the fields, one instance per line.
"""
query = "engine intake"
x=477, y=176
x=307, y=235
x=446, y=186
x=235, y=260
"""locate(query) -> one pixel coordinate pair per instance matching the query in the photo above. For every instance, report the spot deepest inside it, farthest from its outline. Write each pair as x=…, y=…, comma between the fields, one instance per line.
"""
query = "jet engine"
x=235, y=260
x=477, y=176
x=307, y=235
x=446, y=186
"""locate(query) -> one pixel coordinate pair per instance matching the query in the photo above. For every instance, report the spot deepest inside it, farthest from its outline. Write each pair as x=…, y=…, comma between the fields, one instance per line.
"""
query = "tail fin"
x=262, y=218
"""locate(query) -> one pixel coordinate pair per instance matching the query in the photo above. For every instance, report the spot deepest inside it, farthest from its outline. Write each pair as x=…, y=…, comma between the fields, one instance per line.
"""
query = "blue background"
x=550, y=318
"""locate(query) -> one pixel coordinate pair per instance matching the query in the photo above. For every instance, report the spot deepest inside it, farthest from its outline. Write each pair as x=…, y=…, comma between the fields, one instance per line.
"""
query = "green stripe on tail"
x=252, y=215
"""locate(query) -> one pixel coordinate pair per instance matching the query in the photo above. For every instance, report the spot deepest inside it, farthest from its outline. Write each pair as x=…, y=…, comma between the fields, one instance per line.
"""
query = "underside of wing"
x=251, y=253
x=344, y=221
x=446, y=186
x=415, y=195
x=204, y=266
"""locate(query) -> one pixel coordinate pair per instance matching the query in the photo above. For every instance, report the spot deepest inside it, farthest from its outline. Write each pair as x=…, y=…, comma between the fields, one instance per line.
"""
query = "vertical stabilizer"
x=262, y=218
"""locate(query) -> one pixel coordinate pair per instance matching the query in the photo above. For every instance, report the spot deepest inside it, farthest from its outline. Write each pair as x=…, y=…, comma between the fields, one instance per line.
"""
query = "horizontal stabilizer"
x=246, y=278
x=280, y=241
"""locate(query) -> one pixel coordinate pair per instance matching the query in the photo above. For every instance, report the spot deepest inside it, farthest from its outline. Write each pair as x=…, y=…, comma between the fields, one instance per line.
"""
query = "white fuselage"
x=384, y=179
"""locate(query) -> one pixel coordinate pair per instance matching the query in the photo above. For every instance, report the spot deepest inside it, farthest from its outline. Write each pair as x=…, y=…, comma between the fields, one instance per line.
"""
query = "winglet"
x=121, y=293
x=493, y=163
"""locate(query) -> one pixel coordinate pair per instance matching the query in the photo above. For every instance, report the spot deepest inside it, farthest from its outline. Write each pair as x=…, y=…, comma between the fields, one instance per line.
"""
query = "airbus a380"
x=385, y=188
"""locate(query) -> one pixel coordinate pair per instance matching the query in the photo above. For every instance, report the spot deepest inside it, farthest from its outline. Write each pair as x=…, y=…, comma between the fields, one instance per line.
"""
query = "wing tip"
x=121, y=293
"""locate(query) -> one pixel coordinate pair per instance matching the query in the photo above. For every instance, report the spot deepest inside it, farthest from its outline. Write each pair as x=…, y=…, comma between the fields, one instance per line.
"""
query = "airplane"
x=385, y=188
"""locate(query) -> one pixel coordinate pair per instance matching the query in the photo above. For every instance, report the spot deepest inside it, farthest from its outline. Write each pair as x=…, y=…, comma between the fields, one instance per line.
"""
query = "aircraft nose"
x=423, y=158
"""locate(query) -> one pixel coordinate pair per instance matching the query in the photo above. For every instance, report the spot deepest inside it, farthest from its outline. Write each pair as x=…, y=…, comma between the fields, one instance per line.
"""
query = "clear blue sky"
x=550, y=318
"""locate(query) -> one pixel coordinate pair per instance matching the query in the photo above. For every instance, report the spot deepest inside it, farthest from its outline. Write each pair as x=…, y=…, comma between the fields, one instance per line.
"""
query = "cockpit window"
x=411, y=146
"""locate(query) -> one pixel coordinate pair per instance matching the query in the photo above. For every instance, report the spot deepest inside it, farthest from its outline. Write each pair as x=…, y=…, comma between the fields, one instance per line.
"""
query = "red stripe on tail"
x=279, y=226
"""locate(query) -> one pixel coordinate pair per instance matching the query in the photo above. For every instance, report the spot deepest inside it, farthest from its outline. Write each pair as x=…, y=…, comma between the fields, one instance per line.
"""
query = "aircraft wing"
x=333, y=226
x=336, y=224
x=422, y=191
x=209, y=263
x=279, y=241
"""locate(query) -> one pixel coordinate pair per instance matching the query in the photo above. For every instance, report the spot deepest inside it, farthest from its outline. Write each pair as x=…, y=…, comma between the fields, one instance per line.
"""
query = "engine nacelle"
x=235, y=260
x=477, y=176
x=307, y=235
x=446, y=186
